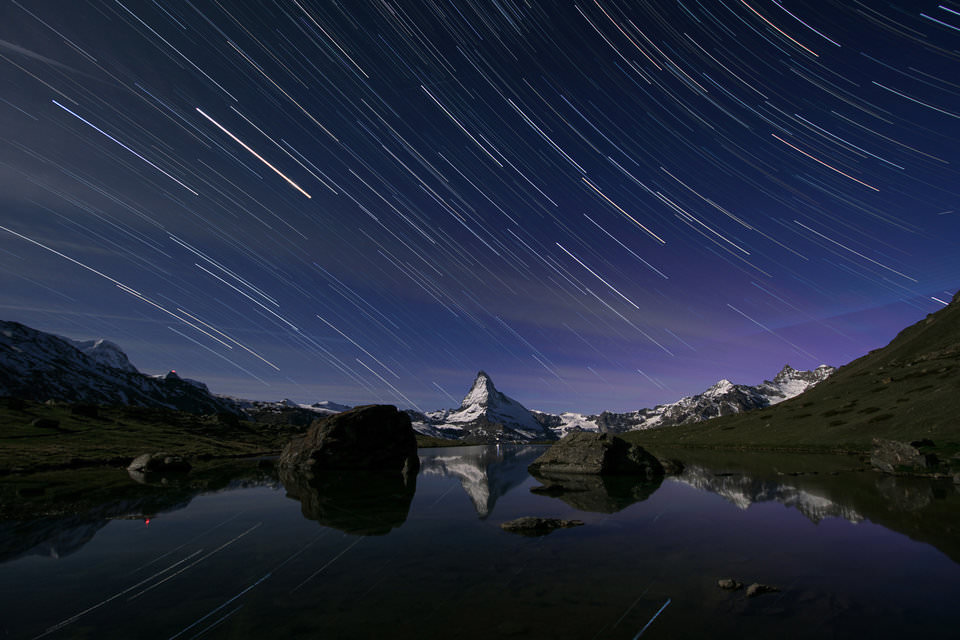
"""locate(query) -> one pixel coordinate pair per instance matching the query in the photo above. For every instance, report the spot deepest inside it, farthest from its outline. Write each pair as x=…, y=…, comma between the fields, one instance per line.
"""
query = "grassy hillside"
x=115, y=435
x=908, y=390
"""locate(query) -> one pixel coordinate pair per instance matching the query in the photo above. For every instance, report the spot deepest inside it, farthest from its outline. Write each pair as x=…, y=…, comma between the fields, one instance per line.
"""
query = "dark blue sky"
x=603, y=204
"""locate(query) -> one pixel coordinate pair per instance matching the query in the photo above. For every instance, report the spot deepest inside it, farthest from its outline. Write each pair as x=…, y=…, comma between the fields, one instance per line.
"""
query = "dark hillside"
x=908, y=390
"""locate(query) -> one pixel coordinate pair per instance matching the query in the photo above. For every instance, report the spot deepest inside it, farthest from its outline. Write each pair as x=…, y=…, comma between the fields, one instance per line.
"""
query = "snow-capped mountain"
x=722, y=399
x=485, y=415
x=40, y=366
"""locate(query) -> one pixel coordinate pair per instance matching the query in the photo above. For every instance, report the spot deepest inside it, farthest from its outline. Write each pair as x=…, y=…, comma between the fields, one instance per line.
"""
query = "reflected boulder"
x=373, y=437
x=368, y=503
x=597, y=453
x=596, y=493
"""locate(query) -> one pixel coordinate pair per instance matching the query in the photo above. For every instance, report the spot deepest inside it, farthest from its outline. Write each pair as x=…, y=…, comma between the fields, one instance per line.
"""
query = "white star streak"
x=620, y=209
x=359, y=347
x=856, y=253
x=254, y=153
x=384, y=381
x=98, y=129
x=772, y=332
x=595, y=275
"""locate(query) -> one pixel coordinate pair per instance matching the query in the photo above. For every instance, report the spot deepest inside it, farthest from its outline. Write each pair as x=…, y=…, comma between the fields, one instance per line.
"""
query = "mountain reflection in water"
x=486, y=472
x=242, y=551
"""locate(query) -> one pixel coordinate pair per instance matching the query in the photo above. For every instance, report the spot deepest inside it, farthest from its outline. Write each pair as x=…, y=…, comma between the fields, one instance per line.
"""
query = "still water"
x=854, y=554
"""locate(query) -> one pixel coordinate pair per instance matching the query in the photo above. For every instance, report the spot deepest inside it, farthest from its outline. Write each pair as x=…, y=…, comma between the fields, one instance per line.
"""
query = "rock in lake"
x=600, y=453
x=374, y=437
x=729, y=584
x=891, y=456
x=159, y=463
x=533, y=526
x=757, y=589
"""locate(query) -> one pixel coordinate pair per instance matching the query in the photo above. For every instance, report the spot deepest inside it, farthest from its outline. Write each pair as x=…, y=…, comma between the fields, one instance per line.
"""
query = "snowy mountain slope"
x=484, y=415
x=722, y=399
x=484, y=407
x=41, y=366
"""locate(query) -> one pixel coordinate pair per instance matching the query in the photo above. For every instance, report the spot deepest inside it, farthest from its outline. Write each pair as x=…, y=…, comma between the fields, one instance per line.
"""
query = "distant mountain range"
x=39, y=366
x=487, y=415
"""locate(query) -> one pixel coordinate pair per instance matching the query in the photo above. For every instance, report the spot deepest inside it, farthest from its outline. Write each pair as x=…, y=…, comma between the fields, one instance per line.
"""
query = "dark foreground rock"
x=533, y=526
x=597, y=453
x=158, y=463
x=373, y=437
x=891, y=456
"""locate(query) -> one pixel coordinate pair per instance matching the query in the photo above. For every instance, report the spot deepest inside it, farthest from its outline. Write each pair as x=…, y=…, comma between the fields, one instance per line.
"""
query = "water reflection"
x=598, y=494
x=486, y=473
x=55, y=515
x=744, y=490
x=360, y=503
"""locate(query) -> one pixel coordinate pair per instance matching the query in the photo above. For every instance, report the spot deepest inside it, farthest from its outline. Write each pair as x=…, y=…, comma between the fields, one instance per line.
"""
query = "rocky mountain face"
x=484, y=415
x=39, y=366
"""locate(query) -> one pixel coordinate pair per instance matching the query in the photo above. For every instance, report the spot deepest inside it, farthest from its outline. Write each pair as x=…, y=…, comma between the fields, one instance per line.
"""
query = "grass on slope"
x=908, y=390
x=118, y=434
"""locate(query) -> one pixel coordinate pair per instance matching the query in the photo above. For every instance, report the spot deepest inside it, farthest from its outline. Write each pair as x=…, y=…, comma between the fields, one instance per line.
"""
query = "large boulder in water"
x=597, y=453
x=373, y=437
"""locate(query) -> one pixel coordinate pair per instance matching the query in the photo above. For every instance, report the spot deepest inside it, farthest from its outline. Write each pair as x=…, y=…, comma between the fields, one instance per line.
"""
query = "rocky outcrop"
x=158, y=463
x=597, y=453
x=373, y=437
x=891, y=456
x=533, y=526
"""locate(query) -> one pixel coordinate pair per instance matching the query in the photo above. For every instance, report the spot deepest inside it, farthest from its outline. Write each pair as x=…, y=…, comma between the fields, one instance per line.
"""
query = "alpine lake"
x=238, y=551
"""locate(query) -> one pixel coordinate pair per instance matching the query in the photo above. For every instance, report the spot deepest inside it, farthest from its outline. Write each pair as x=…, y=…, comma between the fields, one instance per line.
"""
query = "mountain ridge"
x=39, y=366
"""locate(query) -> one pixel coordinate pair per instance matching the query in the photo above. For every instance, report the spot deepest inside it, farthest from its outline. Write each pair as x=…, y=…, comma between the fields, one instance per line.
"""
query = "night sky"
x=604, y=204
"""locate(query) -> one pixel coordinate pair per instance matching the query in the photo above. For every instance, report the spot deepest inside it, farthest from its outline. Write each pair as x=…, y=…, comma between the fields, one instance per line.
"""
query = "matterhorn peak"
x=481, y=393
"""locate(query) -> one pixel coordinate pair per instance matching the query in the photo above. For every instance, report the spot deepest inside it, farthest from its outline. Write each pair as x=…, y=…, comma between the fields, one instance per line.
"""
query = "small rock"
x=757, y=589
x=158, y=463
x=46, y=423
x=533, y=526
x=729, y=584
x=956, y=478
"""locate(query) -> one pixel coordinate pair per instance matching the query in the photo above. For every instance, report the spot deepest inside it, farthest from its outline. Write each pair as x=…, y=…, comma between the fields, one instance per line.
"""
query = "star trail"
x=604, y=204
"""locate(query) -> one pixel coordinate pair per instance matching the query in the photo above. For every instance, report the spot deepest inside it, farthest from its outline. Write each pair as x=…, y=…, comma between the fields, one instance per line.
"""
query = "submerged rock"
x=597, y=453
x=757, y=589
x=534, y=526
x=373, y=437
